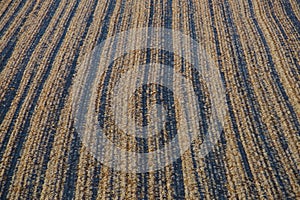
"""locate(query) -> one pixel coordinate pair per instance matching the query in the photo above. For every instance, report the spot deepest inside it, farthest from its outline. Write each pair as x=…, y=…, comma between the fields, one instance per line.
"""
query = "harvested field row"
x=251, y=47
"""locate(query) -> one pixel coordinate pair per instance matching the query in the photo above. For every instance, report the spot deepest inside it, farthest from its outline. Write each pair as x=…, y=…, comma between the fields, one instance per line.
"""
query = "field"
x=255, y=50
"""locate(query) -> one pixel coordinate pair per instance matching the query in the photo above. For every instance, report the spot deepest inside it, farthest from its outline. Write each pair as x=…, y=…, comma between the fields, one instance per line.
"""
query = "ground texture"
x=255, y=46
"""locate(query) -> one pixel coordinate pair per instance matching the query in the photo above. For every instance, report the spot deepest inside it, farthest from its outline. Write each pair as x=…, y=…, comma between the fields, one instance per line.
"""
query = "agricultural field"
x=155, y=99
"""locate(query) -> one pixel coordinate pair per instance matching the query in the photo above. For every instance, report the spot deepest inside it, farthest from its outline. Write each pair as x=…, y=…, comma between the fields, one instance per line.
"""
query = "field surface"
x=255, y=50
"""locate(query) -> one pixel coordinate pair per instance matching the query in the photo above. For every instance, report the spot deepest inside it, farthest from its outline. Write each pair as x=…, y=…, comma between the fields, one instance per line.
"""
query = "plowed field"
x=252, y=47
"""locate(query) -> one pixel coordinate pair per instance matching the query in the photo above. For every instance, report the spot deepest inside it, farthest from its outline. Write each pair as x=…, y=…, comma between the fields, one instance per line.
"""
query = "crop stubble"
x=255, y=45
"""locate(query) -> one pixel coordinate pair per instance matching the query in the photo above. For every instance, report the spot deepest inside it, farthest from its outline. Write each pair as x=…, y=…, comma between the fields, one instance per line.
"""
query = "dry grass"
x=254, y=45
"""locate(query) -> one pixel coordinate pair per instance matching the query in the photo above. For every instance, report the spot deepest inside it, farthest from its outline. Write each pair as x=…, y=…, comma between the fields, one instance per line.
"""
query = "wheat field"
x=255, y=48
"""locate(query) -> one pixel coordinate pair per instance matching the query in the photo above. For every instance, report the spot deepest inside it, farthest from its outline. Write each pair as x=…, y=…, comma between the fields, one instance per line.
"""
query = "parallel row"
x=254, y=45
